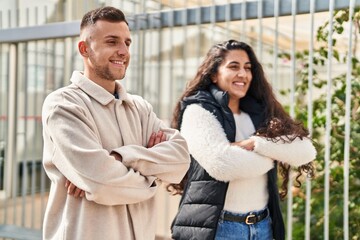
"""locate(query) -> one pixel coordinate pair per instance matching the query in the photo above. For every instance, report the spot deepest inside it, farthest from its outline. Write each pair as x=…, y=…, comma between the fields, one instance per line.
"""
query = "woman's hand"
x=247, y=144
x=73, y=190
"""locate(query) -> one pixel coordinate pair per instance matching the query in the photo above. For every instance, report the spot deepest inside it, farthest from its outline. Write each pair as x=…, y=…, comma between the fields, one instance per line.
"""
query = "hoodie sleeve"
x=209, y=146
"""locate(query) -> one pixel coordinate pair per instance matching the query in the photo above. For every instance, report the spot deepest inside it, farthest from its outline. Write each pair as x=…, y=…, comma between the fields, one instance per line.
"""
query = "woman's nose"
x=241, y=72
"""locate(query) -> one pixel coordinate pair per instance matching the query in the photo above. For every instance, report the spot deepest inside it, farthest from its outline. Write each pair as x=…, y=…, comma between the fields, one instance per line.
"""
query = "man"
x=104, y=144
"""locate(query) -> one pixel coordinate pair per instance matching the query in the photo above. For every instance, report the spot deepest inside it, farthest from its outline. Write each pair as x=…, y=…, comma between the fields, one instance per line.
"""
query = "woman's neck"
x=234, y=106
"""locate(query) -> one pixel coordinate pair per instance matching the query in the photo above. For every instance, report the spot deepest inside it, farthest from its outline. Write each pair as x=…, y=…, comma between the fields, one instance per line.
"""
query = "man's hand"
x=156, y=138
x=73, y=190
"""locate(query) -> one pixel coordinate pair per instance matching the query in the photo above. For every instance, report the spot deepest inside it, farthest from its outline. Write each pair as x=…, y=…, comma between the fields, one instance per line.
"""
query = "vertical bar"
x=213, y=21
x=9, y=19
x=3, y=108
x=17, y=17
x=292, y=114
x=171, y=57
x=45, y=14
x=276, y=47
x=35, y=107
x=328, y=125
x=25, y=79
x=143, y=41
x=7, y=166
x=260, y=41
x=26, y=97
x=51, y=51
x=141, y=53
x=137, y=50
x=228, y=19
x=171, y=88
x=2, y=118
x=198, y=23
x=243, y=20
x=45, y=91
x=10, y=176
x=347, y=124
x=185, y=39
x=160, y=61
x=149, y=69
x=310, y=116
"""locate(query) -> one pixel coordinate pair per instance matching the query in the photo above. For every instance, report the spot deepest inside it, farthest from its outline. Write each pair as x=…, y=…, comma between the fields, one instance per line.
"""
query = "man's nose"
x=123, y=49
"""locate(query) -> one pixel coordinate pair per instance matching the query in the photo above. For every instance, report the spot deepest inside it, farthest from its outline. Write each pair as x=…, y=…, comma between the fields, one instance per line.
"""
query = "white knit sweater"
x=244, y=170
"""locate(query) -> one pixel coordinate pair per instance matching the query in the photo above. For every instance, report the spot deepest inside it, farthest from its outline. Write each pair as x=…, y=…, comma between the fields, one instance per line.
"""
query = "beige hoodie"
x=82, y=125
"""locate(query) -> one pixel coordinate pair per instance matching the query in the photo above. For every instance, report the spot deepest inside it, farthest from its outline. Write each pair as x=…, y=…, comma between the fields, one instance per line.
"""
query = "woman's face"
x=234, y=74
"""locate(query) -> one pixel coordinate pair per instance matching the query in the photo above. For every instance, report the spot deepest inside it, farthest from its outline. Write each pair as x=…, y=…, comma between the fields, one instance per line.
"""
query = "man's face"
x=107, y=51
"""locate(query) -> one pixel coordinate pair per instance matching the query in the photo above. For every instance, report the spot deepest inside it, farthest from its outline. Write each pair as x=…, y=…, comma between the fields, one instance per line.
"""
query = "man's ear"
x=83, y=48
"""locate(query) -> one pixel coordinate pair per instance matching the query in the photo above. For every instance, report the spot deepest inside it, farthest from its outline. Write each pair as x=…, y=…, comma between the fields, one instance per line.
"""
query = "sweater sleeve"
x=168, y=160
x=72, y=148
x=295, y=153
x=209, y=146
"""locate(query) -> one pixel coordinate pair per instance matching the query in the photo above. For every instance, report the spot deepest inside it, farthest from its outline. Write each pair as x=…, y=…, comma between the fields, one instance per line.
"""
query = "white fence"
x=308, y=48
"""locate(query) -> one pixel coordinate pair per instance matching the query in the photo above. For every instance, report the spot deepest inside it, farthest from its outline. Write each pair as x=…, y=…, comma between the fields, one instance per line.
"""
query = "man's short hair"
x=109, y=14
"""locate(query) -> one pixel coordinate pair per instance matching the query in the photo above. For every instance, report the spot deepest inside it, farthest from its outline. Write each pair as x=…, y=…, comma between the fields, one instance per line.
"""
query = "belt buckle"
x=250, y=219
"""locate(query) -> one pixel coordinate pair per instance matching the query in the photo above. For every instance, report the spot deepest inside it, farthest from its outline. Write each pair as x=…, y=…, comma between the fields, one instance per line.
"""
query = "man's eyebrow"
x=117, y=37
x=112, y=36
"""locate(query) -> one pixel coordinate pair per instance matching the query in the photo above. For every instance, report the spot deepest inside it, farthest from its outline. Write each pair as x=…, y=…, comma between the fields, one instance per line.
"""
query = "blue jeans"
x=229, y=230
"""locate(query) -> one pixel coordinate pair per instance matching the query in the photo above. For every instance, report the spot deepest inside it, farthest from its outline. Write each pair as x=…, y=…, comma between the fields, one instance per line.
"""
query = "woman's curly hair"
x=286, y=131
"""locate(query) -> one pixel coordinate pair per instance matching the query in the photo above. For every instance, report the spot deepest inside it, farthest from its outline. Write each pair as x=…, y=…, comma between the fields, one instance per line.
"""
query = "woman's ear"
x=83, y=48
x=213, y=79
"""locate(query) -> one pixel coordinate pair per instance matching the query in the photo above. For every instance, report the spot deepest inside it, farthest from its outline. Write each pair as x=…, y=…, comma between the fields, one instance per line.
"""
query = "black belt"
x=249, y=219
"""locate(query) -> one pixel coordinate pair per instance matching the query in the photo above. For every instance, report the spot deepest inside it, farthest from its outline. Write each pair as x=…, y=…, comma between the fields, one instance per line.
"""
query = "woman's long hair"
x=259, y=89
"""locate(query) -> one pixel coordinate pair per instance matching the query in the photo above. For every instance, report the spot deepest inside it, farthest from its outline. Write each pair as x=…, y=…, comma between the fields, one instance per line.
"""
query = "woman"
x=230, y=190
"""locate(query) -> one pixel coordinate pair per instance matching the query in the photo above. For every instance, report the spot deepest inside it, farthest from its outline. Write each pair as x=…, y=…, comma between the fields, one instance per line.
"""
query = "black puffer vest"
x=204, y=197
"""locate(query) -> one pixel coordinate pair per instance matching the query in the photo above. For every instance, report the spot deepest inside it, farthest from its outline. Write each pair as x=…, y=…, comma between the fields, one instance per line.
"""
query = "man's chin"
x=120, y=77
